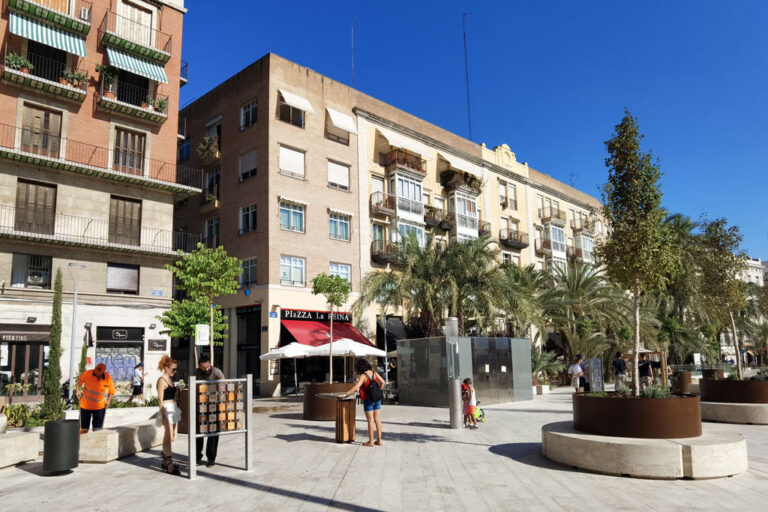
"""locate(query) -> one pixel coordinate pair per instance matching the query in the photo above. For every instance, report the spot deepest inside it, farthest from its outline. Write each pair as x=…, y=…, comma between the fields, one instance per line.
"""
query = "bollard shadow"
x=303, y=436
x=36, y=468
x=527, y=453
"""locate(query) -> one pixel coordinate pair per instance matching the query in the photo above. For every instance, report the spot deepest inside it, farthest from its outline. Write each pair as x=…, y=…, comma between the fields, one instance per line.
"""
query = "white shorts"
x=575, y=381
x=172, y=412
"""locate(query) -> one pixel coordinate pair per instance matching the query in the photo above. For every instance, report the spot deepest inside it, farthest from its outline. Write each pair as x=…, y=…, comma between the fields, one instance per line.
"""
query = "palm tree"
x=545, y=364
x=522, y=292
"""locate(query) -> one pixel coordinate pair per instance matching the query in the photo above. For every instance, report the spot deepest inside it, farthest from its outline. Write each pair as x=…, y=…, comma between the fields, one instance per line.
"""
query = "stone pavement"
x=423, y=465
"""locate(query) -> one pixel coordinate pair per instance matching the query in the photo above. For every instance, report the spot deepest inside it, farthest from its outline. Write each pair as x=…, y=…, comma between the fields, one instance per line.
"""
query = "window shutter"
x=338, y=174
x=292, y=161
x=248, y=162
x=122, y=278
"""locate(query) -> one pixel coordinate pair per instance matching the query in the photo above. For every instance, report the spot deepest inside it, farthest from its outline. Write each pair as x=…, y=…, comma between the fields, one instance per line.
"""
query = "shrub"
x=655, y=392
x=623, y=391
x=598, y=394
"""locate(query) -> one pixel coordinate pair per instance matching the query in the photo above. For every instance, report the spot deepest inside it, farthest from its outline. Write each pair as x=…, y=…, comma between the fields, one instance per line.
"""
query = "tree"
x=184, y=315
x=205, y=274
x=336, y=290
x=637, y=254
x=51, y=408
x=721, y=261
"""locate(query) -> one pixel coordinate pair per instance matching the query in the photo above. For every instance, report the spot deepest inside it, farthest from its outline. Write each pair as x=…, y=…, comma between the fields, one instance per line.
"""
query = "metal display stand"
x=218, y=408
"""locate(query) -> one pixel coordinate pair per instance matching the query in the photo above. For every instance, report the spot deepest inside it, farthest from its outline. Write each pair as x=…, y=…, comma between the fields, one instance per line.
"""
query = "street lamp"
x=72, y=344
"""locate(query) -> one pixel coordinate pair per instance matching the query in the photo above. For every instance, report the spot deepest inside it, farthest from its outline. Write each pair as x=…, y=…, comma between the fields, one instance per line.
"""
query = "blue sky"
x=548, y=78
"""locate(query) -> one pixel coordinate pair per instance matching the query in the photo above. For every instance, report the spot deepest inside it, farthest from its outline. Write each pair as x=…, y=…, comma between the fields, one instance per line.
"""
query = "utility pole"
x=466, y=72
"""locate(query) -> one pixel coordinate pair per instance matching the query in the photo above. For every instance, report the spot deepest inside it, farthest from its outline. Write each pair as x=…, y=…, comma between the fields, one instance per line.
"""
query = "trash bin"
x=345, y=419
x=61, y=445
x=681, y=382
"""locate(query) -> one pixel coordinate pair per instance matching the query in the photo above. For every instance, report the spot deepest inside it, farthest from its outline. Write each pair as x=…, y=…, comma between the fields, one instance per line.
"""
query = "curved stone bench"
x=726, y=412
x=113, y=443
x=713, y=455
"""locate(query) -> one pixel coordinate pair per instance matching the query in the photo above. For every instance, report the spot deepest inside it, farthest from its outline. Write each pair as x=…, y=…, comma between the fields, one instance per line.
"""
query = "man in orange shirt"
x=96, y=390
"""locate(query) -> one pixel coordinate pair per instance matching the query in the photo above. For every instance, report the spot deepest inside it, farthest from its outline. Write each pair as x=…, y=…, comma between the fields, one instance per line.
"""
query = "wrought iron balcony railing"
x=71, y=15
x=513, y=238
x=543, y=245
x=383, y=204
x=384, y=251
x=184, y=72
x=400, y=158
x=47, y=76
x=135, y=37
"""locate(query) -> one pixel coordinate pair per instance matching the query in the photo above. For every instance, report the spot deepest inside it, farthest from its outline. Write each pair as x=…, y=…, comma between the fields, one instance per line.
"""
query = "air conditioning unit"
x=85, y=14
x=35, y=279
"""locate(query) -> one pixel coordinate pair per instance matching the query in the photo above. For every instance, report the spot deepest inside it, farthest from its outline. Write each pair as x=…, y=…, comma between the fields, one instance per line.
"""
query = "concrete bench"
x=713, y=455
x=113, y=443
x=18, y=447
x=726, y=412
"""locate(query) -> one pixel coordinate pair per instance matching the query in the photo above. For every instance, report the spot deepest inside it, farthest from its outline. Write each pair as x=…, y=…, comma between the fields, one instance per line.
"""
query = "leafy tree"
x=51, y=408
x=184, y=315
x=205, y=274
x=721, y=262
x=336, y=290
x=637, y=254
x=545, y=364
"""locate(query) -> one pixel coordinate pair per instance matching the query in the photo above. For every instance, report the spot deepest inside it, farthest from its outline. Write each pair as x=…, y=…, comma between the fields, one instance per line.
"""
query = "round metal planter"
x=734, y=391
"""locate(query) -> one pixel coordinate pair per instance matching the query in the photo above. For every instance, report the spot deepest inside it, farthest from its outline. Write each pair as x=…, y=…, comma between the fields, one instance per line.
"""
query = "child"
x=471, y=404
x=464, y=403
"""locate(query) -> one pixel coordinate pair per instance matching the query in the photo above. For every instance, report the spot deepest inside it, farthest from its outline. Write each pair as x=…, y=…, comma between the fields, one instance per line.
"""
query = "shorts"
x=576, y=381
x=470, y=409
x=370, y=405
x=172, y=412
x=138, y=390
x=97, y=415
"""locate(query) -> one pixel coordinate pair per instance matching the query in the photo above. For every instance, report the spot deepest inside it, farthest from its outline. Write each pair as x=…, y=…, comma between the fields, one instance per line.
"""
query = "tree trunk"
x=739, y=370
x=330, y=351
x=636, y=354
x=210, y=326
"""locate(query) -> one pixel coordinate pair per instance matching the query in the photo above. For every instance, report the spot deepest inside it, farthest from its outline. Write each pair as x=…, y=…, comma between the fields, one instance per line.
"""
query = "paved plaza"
x=423, y=465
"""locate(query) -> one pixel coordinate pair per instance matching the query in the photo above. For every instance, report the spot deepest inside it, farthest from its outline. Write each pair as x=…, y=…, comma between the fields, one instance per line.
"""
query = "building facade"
x=305, y=175
x=88, y=178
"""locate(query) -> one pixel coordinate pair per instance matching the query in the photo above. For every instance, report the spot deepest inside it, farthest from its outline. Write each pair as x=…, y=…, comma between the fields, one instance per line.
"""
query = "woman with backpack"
x=369, y=385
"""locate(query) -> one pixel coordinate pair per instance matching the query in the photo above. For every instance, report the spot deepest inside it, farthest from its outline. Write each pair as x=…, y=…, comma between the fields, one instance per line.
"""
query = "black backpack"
x=374, y=390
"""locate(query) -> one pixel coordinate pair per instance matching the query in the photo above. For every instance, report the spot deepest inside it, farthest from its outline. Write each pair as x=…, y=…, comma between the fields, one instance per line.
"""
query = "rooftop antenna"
x=352, y=29
x=466, y=71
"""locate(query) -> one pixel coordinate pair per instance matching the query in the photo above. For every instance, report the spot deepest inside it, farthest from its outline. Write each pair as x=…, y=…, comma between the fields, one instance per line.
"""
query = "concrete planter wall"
x=650, y=418
x=734, y=391
x=322, y=409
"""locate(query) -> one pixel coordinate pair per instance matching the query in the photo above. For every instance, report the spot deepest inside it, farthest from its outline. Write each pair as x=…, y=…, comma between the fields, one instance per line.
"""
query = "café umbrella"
x=346, y=347
x=291, y=351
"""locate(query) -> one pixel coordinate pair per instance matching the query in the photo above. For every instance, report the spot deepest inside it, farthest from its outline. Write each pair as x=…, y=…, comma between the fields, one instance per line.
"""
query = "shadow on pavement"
x=292, y=438
x=546, y=411
x=288, y=416
x=526, y=453
x=413, y=437
x=36, y=468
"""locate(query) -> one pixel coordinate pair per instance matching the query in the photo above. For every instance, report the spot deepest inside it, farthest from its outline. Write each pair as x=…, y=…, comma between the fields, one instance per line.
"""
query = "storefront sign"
x=119, y=334
x=24, y=332
x=321, y=316
x=158, y=345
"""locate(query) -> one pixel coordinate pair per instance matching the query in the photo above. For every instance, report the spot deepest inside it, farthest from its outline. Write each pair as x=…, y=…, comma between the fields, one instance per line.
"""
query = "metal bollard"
x=454, y=403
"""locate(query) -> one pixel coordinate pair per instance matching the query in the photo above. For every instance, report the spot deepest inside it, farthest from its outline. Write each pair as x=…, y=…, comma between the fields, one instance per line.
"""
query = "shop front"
x=23, y=357
x=120, y=349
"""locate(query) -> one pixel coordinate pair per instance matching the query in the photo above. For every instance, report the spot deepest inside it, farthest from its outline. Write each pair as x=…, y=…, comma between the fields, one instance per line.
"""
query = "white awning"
x=282, y=198
x=462, y=165
x=340, y=212
x=401, y=141
x=296, y=101
x=341, y=121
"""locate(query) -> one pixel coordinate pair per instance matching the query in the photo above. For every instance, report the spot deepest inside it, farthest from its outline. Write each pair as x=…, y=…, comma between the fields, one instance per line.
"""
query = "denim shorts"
x=370, y=405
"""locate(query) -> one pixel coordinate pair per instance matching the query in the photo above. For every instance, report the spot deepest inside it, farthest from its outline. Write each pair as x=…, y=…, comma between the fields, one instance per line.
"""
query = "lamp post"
x=72, y=343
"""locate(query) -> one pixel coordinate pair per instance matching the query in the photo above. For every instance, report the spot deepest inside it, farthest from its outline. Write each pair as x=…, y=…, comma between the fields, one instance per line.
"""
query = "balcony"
x=46, y=76
x=70, y=15
x=399, y=159
x=383, y=252
x=184, y=73
x=543, y=246
x=209, y=150
x=383, y=204
x=211, y=242
x=582, y=226
x=48, y=150
x=554, y=216
x=39, y=224
x=410, y=206
x=513, y=238
x=134, y=37
x=453, y=180
x=437, y=218
x=182, y=133
x=483, y=227
x=134, y=102
x=209, y=200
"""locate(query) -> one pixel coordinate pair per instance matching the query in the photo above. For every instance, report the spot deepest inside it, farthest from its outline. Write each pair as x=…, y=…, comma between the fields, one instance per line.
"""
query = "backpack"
x=374, y=390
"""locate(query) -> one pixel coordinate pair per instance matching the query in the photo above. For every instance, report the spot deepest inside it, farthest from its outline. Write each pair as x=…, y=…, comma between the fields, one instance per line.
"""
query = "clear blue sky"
x=549, y=78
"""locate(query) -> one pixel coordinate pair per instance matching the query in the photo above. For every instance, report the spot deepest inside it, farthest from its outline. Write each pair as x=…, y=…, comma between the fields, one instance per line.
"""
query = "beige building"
x=305, y=175
x=88, y=180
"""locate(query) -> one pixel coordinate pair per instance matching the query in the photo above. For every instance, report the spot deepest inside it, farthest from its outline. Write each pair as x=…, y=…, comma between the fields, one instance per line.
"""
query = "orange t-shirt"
x=95, y=391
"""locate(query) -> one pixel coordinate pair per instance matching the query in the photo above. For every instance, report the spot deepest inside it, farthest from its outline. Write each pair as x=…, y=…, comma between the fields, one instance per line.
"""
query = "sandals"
x=169, y=466
x=367, y=444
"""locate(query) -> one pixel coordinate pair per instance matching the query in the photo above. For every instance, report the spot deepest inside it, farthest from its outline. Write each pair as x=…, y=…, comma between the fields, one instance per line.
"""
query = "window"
x=572, y=214
x=540, y=205
x=338, y=175
x=292, y=217
x=291, y=162
x=129, y=152
x=182, y=153
x=248, y=114
x=212, y=181
x=132, y=89
x=41, y=134
x=377, y=232
x=516, y=260
x=558, y=239
x=506, y=257
x=248, y=219
x=31, y=271
x=291, y=114
x=122, y=278
x=461, y=238
x=559, y=263
x=212, y=232
x=502, y=193
x=409, y=195
x=135, y=24
x=292, y=270
x=466, y=211
x=35, y=207
x=341, y=270
x=336, y=134
x=439, y=202
x=425, y=197
x=47, y=62
x=587, y=246
x=406, y=229
x=124, y=221
x=248, y=277
x=339, y=226
x=247, y=165
x=213, y=131
x=512, y=196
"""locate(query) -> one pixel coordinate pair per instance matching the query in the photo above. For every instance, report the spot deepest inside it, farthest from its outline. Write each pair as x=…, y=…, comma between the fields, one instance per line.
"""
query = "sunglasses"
x=174, y=369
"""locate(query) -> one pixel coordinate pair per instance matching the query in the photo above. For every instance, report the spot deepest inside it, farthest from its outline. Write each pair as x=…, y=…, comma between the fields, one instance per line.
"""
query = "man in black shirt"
x=645, y=370
x=619, y=371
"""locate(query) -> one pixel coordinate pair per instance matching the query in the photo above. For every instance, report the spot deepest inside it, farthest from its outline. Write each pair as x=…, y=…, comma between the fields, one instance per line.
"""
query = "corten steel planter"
x=734, y=391
x=712, y=374
x=322, y=409
x=650, y=418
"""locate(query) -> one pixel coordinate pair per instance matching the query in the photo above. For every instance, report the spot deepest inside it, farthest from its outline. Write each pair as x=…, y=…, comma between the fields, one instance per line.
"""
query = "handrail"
x=383, y=200
x=513, y=235
x=135, y=32
x=405, y=159
x=48, y=69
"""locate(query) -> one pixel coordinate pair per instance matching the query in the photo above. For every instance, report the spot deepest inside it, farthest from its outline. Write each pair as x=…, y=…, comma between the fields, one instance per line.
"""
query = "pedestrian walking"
x=95, y=389
x=137, y=383
x=619, y=368
x=576, y=372
x=369, y=384
x=169, y=411
x=471, y=406
x=645, y=371
x=206, y=371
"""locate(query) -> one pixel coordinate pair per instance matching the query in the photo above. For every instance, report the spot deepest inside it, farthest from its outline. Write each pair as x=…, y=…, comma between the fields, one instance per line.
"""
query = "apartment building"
x=305, y=175
x=88, y=179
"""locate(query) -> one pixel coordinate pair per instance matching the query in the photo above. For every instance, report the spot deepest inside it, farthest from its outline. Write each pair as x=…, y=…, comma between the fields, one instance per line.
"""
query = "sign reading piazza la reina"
x=320, y=316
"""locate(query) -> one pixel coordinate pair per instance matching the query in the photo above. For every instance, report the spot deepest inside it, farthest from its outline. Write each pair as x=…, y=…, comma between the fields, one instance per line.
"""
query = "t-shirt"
x=620, y=366
x=575, y=369
x=644, y=368
x=95, y=391
x=137, y=377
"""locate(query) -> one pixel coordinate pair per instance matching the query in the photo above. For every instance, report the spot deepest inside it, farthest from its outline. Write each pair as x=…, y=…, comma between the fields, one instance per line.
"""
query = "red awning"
x=312, y=332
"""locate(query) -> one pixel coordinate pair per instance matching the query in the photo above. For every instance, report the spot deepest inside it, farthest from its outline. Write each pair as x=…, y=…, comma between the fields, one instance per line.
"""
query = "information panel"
x=220, y=407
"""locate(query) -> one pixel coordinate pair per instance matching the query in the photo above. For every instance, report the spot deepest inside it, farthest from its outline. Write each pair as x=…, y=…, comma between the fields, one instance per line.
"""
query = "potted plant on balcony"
x=161, y=105
x=64, y=78
x=17, y=62
x=149, y=101
x=78, y=78
x=108, y=74
x=208, y=150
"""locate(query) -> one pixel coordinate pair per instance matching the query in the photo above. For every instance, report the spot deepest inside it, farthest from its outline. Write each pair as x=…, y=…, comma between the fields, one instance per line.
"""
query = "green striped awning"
x=136, y=65
x=46, y=35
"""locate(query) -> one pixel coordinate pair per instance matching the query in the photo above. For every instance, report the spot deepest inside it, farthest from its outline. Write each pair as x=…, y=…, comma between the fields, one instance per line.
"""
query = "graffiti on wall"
x=120, y=360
